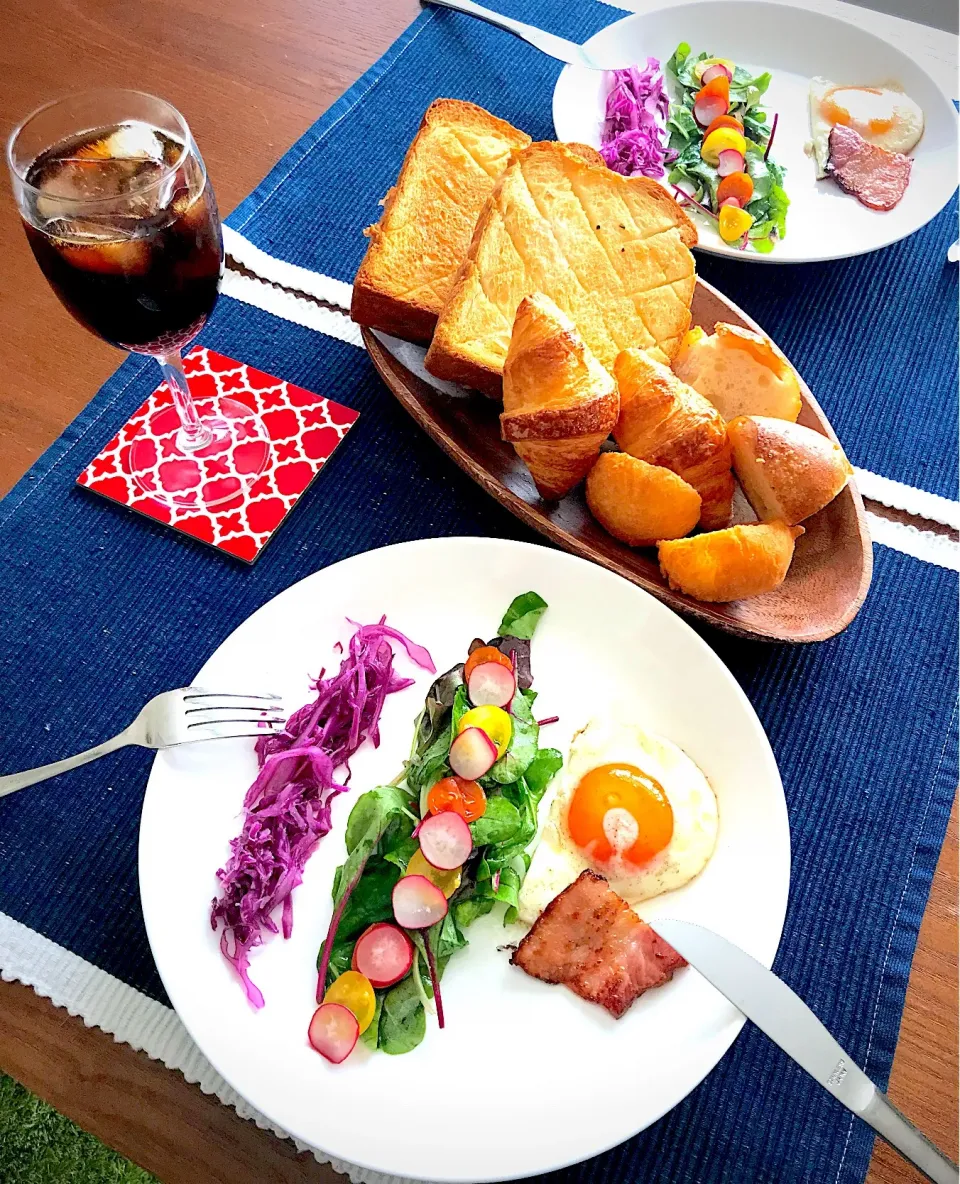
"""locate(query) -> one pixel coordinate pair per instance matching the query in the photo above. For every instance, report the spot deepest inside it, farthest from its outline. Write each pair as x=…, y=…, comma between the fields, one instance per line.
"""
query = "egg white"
x=862, y=106
x=557, y=861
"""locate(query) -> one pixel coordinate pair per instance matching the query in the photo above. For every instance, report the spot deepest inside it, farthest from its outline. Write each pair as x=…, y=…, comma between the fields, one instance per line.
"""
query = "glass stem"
x=192, y=435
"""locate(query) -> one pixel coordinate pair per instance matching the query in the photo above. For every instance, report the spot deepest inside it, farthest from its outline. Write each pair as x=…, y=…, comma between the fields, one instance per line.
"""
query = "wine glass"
x=122, y=219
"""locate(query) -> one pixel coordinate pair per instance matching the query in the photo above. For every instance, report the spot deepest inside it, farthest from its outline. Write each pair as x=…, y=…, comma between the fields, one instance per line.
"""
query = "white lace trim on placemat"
x=131, y=1017
x=323, y=287
x=910, y=540
x=291, y=308
x=904, y=497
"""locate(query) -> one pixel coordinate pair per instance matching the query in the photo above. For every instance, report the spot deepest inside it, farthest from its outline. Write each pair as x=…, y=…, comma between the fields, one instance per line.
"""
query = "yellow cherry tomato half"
x=719, y=141
x=447, y=882
x=494, y=721
x=734, y=223
x=353, y=991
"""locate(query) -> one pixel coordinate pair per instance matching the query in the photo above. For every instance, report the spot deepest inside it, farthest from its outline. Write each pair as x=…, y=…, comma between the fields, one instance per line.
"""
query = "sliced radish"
x=333, y=1031
x=729, y=161
x=715, y=71
x=491, y=685
x=383, y=953
x=472, y=754
x=732, y=201
x=418, y=904
x=445, y=840
x=709, y=108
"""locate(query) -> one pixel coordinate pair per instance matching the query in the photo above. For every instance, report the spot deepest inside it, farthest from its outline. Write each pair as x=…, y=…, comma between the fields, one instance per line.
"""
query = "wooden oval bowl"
x=830, y=574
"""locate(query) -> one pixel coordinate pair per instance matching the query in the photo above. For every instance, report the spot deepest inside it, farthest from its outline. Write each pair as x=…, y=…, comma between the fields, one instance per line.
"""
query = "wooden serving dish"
x=832, y=565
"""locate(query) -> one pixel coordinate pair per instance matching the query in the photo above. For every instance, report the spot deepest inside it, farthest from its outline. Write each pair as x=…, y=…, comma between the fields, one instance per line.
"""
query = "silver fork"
x=548, y=43
x=175, y=717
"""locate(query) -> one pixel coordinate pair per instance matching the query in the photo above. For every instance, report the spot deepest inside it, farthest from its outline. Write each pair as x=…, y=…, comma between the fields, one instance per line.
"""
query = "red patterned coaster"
x=304, y=430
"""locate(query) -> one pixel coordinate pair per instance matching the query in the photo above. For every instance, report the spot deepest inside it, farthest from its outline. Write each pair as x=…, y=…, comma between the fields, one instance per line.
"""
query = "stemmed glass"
x=122, y=219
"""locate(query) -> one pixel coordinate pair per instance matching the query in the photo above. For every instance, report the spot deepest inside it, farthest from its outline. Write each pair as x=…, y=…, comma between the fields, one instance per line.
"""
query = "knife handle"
x=900, y=1133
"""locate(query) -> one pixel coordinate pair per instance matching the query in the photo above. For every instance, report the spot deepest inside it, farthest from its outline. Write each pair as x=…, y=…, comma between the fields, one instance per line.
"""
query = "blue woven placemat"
x=101, y=609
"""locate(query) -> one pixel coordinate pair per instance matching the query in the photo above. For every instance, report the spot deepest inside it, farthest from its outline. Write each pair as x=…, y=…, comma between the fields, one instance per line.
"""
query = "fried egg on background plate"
x=883, y=115
x=629, y=805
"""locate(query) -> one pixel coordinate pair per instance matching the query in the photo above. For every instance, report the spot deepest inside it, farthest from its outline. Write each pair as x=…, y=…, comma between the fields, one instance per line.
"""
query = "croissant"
x=730, y=564
x=665, y=422
x=559, y=403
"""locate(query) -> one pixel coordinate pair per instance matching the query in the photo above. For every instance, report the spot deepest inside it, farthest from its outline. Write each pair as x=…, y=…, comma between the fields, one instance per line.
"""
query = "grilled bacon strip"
x=589, y=939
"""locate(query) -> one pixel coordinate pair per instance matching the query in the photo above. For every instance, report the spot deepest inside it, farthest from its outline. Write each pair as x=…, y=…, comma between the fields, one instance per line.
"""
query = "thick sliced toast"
x=612, y=252
x=449, y=171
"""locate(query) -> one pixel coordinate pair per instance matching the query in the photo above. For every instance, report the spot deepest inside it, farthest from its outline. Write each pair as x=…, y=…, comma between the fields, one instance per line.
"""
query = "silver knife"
x=783, y=1016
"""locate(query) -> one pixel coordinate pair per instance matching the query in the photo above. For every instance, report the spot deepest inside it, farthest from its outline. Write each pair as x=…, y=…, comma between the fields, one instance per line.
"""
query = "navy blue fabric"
x=875, y=337
x=102, y=609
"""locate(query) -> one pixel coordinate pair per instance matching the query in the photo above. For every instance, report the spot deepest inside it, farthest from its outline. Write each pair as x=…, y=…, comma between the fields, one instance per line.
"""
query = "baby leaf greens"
x=381, y=836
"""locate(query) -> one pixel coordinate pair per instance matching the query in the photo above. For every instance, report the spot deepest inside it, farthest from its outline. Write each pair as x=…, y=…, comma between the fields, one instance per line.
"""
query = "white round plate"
x=796, y=45
x=603, y=643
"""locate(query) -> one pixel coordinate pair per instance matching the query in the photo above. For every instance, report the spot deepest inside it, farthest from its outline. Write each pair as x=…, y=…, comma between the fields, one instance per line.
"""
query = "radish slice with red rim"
x=333, y=1031
x=491, y=685
x=418, y=904
x=383, y=953
x=732, y=201
x=472, y=754
x=709, y=108
x=715, y=71
x=729, y=161
x=445, y=840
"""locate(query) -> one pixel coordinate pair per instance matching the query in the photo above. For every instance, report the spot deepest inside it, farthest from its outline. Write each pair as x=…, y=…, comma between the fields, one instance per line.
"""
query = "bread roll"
x=740, y=372
x=788, y=472
x=640, y=503
x=730, y=564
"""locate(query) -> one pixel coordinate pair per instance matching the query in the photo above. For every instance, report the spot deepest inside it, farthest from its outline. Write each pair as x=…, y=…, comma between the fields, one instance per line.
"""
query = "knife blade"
x=782, y=1015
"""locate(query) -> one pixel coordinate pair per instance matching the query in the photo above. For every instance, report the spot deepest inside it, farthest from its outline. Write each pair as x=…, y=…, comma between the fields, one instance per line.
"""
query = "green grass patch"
x=40, y=1146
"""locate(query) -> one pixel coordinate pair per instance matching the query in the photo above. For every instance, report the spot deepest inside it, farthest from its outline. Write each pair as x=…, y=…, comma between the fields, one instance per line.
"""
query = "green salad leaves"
x=380, y=838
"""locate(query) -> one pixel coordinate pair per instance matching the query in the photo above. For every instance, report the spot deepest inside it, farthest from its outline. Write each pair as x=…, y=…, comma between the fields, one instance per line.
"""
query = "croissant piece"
x=730, y=564
x=739, y=371
x=559, y=404
x=665, y=422
x=640, y=503
x=788, y=472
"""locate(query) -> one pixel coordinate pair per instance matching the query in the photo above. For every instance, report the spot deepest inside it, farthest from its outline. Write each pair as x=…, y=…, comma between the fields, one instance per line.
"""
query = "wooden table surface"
x=251, y=76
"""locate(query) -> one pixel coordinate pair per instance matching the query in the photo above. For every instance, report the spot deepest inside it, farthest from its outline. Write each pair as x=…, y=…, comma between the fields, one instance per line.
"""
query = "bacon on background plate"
x=589, y=939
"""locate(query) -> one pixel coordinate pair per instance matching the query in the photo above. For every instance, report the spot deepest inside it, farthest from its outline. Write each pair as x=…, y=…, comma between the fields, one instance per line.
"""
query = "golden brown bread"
x=612, y=253
x=730, y=564
x=449, y=171
x=665, y=422
x=640, y=504
x=739, y=371
x=559, y=404
x=787, y=471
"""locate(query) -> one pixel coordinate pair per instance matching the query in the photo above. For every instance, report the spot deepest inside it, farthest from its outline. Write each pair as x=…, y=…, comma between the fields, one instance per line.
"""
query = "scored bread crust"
x=428, y=218
x=611, y=251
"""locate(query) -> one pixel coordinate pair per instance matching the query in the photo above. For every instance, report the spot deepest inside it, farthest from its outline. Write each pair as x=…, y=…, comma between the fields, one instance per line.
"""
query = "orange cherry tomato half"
x=485, y=653
x=724, y=121
x=738, y=185
x=716, y=86
x=465, y=798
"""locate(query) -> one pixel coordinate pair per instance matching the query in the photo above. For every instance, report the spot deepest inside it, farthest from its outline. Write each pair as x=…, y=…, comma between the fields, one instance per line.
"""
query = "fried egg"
x=883, y=115
x=629, y=805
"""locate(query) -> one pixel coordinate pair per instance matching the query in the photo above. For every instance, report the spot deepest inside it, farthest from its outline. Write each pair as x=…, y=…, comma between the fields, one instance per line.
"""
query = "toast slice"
x=448, y=173
x=611, y=251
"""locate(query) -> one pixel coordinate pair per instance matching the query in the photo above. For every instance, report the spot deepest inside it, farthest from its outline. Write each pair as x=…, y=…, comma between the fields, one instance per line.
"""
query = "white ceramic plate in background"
x=795, y=45
x=602, y=642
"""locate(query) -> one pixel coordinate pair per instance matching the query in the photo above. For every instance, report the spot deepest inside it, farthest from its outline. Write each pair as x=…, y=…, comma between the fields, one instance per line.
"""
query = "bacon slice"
x=589, y=939
x=876, y=177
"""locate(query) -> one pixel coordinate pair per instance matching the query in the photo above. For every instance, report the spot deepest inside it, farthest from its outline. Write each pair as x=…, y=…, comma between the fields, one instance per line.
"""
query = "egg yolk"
x=618, y=810
x=870, y=113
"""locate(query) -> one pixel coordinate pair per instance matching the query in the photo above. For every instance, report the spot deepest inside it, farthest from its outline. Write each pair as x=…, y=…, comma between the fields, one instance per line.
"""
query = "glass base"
x=214, y=477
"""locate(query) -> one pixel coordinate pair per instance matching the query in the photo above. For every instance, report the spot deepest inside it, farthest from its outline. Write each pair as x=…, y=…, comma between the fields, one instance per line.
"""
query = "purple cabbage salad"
x=634, y=132
x=287, y=809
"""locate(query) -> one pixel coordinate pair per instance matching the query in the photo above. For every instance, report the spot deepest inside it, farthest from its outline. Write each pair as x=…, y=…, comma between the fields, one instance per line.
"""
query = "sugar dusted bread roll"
x=665, y=422
x=739, y=371
x=788, y=472
x=640, y=503
x=559, y=404
x=730, y=564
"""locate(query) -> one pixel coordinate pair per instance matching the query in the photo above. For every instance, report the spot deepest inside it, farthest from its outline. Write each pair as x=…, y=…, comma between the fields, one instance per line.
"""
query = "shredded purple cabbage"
x=287, y=809
x=634, y=132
